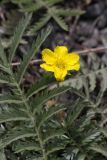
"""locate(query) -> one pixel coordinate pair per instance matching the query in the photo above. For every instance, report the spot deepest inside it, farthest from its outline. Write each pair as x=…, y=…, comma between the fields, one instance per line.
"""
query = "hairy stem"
x=29, y=113
x=41, y=144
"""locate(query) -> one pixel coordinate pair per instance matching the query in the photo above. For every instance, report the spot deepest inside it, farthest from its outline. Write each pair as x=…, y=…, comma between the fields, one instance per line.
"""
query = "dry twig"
x=83, y=52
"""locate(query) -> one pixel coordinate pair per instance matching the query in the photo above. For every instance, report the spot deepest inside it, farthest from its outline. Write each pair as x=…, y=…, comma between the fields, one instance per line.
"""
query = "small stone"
x=104, y=33
x=95, y=34
x=95, y=10
x=90, y=43
x=102, y=21
x=84, y=29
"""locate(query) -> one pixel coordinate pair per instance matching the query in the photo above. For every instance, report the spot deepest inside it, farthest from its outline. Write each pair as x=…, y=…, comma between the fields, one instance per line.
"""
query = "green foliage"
x=93, y=144
x=100, y=149
x=2, y=155
x=37, y=87
x=13, y=115
x=40, y=100
x=18, y=35
x=31, y=53
x=26, y=122
x=52, y=11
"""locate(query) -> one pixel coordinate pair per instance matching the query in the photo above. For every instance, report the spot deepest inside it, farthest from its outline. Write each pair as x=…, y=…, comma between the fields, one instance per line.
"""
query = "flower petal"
x=47, y=67
x=60, y=74
x=72, y=58
x=61, y=51
x=48, y=56
x=75, y=67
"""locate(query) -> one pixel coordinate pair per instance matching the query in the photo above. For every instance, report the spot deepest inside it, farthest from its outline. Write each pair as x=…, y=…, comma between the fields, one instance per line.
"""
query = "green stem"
x=29, y=113
x=23, y=98
x=41, y=144
x=34, y=124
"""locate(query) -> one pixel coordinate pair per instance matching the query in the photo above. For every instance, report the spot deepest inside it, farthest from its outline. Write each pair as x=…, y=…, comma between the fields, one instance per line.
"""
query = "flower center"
x=60, y=64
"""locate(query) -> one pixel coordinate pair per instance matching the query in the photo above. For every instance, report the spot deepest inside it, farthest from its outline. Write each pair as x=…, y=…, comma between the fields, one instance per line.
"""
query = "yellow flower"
x=60, y=61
